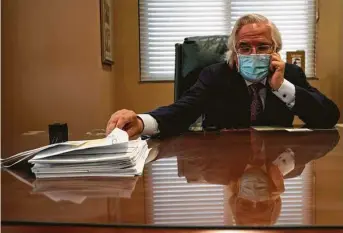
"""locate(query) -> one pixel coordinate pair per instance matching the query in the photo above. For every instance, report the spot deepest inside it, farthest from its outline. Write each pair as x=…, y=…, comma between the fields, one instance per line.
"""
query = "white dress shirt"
x=286, y=93
x=285, y=161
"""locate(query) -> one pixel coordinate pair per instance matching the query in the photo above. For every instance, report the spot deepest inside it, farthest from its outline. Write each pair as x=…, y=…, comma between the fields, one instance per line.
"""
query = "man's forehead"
x=255, y=30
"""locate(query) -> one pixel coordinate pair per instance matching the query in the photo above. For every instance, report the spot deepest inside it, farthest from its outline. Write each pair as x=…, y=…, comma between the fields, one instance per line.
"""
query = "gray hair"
x=250, y=19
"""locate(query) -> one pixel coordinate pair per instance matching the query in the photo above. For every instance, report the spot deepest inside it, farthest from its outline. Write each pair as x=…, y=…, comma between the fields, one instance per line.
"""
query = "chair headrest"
x=202, y=51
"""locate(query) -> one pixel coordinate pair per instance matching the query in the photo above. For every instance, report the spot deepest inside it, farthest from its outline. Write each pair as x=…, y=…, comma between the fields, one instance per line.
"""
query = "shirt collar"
x=249, y=83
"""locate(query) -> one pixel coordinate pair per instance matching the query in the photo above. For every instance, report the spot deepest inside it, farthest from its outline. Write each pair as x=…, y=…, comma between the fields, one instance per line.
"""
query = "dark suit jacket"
x=222, y=96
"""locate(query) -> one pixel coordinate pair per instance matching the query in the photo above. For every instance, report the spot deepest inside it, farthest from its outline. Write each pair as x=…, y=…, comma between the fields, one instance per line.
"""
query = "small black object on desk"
x=58, y=133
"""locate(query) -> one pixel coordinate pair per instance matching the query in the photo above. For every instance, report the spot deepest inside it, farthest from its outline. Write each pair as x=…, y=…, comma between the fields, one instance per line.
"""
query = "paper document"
x=10, y=161
x=116, y=137
x=76, y=155
x=113, y=155
x=298, y=130
x=268, y=128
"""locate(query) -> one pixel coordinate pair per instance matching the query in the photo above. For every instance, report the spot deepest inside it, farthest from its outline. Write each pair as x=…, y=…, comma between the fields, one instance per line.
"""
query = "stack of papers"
x=112, y=156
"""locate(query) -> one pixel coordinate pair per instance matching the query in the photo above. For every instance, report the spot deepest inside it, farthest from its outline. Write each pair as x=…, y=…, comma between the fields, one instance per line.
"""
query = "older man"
x=254, y=87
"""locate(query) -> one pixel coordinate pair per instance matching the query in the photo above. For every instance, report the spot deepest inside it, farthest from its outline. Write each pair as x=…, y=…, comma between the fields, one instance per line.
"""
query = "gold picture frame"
x=106, y=18
x=296, y=58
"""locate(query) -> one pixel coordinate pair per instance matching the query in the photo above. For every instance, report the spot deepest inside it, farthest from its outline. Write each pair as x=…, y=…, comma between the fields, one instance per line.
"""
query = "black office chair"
x=194, y=54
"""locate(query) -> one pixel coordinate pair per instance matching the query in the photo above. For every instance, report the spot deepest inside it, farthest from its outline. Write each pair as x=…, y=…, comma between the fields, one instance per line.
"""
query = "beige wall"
x=328, y=192
x=328, y=180
x=51, y=68
x=330, y=50
x=129, y=92
x=0, y=76
x=141, y=97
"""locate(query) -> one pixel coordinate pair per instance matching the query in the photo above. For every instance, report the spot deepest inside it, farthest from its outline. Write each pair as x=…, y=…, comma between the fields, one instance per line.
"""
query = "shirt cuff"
x=285, y=161
x=286, y=93
x=150, y=124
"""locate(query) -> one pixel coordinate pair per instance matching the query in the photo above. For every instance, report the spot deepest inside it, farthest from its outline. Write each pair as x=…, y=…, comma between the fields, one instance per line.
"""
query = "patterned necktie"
x=258, y=157
x=256, y=107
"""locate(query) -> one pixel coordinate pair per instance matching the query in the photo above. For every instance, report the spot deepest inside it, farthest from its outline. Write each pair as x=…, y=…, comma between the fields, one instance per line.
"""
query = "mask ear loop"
x=237, y=63
x=237, y=59
x=235, y=51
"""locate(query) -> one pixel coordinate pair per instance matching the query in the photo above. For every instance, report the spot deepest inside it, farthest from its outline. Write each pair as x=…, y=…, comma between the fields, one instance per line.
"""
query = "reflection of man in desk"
x=252, y=165
x=256, y=194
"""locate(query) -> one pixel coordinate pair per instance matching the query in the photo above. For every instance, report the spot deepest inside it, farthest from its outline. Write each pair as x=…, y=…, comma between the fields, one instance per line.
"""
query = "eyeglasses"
x=244, y=204
x=260, y=49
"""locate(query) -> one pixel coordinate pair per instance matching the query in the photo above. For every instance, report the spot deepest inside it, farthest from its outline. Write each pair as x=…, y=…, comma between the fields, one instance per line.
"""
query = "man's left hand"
x=277, y=66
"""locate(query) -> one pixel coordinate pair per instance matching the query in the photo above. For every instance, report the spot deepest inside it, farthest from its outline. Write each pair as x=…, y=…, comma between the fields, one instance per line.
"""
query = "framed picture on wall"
x=106, y=31
x=296, y=58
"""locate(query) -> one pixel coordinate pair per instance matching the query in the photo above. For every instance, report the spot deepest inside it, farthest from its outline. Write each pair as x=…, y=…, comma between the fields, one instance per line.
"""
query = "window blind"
x=297, y=199
x=173, y=201
x=176, y=202
x=166, y=22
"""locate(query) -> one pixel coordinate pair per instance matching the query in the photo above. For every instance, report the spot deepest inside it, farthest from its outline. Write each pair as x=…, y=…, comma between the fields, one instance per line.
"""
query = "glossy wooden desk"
x=212, y=180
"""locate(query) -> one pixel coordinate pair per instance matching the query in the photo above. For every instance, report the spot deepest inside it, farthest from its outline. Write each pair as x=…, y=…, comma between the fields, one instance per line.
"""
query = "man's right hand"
x=126, y=120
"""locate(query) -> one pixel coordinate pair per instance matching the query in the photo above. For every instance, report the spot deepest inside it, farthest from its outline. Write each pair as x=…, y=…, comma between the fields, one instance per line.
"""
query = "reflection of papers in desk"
x=22, y=175
x=77, y=190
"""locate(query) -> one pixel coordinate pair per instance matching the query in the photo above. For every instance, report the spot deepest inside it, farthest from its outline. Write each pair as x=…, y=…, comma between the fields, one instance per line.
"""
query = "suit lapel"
x=240, y=88
x=240, y=96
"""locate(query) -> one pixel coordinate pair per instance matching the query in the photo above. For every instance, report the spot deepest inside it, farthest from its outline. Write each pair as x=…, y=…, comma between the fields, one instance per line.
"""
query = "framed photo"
x=296, y=58
x=106, y=18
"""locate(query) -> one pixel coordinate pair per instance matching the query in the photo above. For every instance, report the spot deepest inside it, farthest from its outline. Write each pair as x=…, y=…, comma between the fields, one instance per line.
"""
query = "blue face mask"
x=253, y=67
